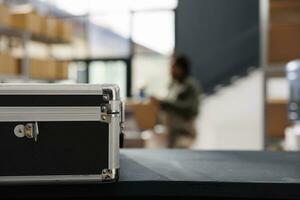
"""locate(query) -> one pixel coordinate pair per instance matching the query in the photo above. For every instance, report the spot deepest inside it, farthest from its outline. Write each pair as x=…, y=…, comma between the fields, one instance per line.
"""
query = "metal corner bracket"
x=110, y=175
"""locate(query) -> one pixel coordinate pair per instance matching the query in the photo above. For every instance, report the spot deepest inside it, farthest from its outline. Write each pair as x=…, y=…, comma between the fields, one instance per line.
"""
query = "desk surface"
x=225, y=174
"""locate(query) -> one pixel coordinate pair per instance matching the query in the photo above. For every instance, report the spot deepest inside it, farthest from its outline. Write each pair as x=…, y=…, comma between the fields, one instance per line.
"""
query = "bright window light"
x=155, y=30
x=81, y=7
x=118, y=22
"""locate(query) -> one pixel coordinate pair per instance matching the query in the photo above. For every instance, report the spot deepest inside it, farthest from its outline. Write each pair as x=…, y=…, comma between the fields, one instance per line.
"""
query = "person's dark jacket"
x=186, y=104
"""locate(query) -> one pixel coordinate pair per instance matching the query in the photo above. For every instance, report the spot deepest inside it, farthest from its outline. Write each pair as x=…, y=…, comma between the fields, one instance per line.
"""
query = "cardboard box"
x=284, y=42
x=277, y=118
x=30, y=22
x=49, y=26
x=62, y=70
x=5, y=18
x=284, y=31
x=64, y=31
x=145, y=114
x=8, y=65
x=284, y=11
x=42, y=69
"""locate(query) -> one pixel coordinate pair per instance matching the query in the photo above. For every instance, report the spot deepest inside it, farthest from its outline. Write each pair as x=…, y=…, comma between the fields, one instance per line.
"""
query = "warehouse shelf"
x=4, y=78
x=10, y=31
x=8, y=76
x=278, y=71
x=26, y=37
x=275, y=69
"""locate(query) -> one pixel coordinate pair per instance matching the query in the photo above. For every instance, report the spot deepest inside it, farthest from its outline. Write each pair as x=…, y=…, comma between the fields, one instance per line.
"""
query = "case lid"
x=40, y=89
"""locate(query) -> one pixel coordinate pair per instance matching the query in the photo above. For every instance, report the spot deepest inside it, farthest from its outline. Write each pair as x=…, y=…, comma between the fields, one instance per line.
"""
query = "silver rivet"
x=19, y=130
x=103, y=109
x=105, y=97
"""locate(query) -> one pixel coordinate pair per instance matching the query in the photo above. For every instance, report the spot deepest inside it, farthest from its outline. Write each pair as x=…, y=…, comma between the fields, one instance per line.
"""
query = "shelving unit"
x=274, y=72
x=26, y=37
x=280, y=26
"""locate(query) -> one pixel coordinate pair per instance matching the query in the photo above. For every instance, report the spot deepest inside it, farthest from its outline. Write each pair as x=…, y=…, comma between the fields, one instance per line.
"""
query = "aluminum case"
x=52, y=133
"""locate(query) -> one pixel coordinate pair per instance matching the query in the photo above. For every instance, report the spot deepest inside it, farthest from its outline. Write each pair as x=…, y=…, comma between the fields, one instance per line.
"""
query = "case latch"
x=122, y=125
x=30, y=130
x=110, y=109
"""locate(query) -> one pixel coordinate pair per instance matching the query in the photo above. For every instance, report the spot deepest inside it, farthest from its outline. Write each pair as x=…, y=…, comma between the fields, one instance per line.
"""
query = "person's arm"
x=184, y=107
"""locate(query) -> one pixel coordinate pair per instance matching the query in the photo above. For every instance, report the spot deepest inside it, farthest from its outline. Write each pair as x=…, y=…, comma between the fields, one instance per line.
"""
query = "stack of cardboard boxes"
x=32, y=22
x=284, y=46
x=277, y=118
x=27, y=22
x=48, y=69
x=48, y=27
x=43, y=69
x=64, y=30
x=5, y=18
x=284, y=32
x=61, y=70
x=8, y=64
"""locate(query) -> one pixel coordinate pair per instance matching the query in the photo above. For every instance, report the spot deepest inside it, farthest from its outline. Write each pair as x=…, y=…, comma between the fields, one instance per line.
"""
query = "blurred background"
x=238, y=51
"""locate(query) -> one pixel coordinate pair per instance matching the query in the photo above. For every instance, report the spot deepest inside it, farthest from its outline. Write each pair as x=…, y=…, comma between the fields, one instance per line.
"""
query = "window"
x=139, y=31
x=77, y=72
x=153, y=37
x=108, y=35
x=109, y=72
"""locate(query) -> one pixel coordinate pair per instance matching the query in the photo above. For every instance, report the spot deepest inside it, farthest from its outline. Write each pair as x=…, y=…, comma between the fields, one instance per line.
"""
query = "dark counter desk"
x=201, y=174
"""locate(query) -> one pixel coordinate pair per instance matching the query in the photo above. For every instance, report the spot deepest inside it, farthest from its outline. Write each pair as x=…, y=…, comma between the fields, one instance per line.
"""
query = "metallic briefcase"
x=54, y=133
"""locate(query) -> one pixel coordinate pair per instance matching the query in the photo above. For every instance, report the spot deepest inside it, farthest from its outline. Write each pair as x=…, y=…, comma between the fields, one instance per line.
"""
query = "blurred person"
x=181, y=104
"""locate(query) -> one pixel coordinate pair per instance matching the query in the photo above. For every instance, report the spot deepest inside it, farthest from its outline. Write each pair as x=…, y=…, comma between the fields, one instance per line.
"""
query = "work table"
x=201, y=174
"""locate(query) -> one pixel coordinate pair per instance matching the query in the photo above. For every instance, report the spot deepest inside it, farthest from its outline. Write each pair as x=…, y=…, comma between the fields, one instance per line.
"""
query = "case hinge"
x=110, y=110
x=122, y=125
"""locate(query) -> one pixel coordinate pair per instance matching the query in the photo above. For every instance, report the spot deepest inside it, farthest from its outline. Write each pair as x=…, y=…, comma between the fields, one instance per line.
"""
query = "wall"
x=232, y=118
x=221, y=37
